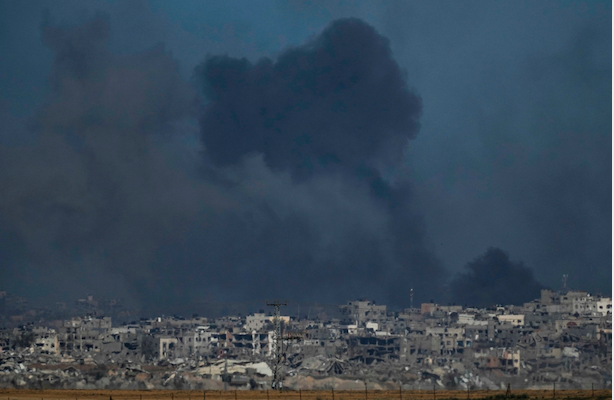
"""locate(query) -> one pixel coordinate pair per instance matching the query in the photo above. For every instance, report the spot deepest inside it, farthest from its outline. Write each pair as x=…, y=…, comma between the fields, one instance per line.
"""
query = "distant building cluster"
x=563, y=338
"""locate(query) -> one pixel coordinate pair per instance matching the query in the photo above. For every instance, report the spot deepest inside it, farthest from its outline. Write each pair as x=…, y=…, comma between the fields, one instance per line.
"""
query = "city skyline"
x=561, y=339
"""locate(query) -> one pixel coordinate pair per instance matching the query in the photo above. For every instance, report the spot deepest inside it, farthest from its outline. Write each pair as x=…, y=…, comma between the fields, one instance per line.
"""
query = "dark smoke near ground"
x=290, y=199
x=494, y=279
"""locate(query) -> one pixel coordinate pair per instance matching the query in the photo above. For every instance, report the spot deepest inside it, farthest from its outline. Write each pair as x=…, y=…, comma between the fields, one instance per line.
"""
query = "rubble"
x=562, y=338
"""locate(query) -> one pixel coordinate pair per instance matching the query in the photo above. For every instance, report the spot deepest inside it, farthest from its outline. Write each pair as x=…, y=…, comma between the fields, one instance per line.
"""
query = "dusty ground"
x=23, y=394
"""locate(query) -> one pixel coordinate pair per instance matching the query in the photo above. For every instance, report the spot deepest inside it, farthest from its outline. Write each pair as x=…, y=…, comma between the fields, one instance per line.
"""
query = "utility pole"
x=226, y=376
x=277, y=340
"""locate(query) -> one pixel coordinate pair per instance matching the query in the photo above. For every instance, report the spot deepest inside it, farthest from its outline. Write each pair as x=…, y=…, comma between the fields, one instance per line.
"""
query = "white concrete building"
x=604, y=306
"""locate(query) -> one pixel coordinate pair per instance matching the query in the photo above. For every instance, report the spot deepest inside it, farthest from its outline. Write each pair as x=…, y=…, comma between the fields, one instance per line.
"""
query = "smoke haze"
x=355, y=158
x=293, y=199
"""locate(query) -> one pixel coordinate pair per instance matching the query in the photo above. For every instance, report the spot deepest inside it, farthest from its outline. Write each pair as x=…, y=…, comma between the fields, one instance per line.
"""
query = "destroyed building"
x=562, y=337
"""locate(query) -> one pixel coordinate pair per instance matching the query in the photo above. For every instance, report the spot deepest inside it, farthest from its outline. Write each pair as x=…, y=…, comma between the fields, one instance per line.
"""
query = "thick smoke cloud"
x=339, y=100
x=338, y=106
x=494, y=279
x=289, y=200
x=106, y=189
x=88, y=204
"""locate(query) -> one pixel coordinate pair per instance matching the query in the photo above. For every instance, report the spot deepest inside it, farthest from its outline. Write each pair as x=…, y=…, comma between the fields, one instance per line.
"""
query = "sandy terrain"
x=23, y=394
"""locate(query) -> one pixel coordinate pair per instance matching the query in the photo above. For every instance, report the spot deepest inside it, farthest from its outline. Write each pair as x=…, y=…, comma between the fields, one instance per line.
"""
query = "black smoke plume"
x=338, y=106
x=291, y=200
x=494, y=279
x=338, y=101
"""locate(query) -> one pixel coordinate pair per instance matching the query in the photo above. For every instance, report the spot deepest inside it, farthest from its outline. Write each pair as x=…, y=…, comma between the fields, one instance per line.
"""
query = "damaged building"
x=565, y=336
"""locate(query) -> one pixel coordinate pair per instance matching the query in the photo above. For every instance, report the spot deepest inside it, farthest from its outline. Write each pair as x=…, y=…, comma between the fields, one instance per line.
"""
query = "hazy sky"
x=149, y=151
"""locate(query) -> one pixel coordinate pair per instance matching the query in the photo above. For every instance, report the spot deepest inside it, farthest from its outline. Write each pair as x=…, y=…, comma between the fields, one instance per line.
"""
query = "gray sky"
x=108, y=181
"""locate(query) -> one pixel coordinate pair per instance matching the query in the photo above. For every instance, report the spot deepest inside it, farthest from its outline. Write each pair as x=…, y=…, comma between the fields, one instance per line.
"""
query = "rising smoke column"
x=493, y=278
x=336, y=107
x=292, y=204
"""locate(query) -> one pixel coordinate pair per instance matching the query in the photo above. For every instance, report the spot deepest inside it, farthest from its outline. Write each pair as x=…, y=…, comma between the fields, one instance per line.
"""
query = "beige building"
x=363, y=311
x=255, y=322
x=167, y=348
x=47, y=342
x=514, y=319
